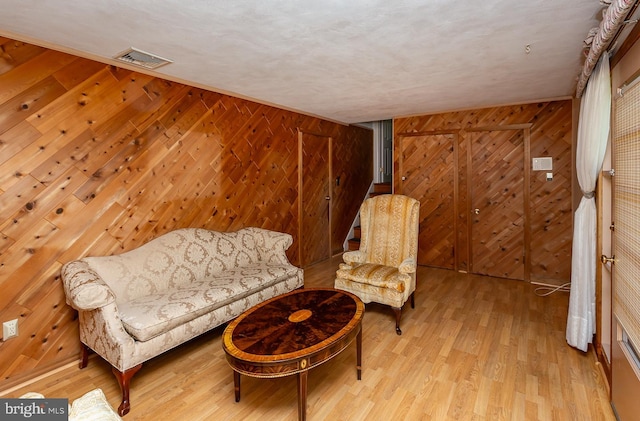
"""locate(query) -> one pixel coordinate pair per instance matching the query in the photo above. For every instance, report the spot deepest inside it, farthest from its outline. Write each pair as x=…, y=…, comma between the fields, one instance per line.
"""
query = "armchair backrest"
x=389, y=225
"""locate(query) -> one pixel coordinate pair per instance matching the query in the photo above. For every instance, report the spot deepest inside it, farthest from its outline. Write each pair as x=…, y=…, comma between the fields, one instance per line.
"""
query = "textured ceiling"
x=345, y=60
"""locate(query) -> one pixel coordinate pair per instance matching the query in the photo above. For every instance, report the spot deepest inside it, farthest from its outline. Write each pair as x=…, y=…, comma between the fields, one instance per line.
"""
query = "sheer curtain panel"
x=593, y=133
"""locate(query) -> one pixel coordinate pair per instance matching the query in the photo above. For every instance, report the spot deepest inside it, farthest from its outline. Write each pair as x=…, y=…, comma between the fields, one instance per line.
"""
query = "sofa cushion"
x=151, y=315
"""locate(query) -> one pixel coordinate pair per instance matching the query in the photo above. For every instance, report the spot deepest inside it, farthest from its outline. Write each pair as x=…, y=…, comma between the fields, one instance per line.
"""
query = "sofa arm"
x=102, y=331
x=84, y=288
x=272, y=245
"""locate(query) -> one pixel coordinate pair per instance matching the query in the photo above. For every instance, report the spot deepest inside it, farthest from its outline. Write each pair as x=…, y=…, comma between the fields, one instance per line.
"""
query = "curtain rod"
x=612, y=20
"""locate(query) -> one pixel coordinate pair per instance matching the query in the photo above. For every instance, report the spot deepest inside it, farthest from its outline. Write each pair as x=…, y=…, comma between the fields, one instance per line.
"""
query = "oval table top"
x=292, y=332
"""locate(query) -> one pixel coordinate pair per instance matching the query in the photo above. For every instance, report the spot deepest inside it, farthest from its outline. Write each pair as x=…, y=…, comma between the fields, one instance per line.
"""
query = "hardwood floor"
x=474, y=348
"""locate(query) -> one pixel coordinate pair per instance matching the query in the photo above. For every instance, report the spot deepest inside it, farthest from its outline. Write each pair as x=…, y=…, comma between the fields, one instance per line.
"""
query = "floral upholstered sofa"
x=139, y=304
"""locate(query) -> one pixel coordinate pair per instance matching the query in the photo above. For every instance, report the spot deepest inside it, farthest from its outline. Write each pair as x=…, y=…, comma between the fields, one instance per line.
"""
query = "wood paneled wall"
x=97, y=160
x=550, y=205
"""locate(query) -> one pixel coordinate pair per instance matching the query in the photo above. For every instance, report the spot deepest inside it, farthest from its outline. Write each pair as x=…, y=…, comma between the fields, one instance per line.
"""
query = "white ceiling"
x=345, y=60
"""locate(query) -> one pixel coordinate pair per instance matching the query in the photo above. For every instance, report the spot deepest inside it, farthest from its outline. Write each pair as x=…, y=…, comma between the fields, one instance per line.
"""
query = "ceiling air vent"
x=142, y=58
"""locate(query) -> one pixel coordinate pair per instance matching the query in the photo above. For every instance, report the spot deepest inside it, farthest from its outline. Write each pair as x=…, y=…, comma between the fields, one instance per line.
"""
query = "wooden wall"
x=549, y=204
x=97, y=160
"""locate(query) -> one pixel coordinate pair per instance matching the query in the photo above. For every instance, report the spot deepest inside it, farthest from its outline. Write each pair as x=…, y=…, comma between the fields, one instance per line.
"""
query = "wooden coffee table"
x=291, y=334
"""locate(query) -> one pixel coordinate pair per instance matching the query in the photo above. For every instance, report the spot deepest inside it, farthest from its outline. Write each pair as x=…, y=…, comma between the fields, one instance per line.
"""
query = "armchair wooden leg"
x=398, y=312
x=124, y=378
x=84, y=357
x=413, y=300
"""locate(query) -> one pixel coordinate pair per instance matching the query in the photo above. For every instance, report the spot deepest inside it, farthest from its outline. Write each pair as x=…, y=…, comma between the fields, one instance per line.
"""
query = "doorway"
x=387, y=151
x=314, y=161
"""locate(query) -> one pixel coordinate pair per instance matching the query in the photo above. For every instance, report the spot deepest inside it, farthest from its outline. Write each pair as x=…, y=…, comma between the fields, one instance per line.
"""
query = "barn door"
x=497, y=211
x=315, y=197
x=428, y=174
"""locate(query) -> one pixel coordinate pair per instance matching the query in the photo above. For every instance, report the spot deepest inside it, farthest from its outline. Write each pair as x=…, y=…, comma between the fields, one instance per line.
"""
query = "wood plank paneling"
x=428, y=173
x=29, y=101
x=314, y=193
x=463, y=248
x=549, y=202
x=14, y=53
x=97, y=160
x=25, y=74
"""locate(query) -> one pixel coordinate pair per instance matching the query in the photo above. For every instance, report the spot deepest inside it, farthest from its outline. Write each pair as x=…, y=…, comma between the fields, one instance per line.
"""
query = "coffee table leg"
x=359, y=353
x=302, y=395
x=236, y=385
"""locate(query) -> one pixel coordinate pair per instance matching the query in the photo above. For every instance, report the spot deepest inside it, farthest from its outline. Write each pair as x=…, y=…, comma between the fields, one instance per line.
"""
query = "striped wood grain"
x=549, y=228
x=315, y=217
x=97, y=160
x=474, y=348
x=427, y=164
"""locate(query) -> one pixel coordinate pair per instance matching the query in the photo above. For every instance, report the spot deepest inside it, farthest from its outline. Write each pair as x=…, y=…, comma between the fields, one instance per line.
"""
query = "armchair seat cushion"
x=371, y=293
x=376, y=275
x=149, y=316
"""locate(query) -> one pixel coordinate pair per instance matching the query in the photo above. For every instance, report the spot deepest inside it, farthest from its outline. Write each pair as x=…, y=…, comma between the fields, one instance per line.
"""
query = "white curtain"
x=593, y=133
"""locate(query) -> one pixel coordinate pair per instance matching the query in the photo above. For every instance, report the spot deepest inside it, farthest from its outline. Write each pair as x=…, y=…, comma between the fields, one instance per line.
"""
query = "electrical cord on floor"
x=543, y=291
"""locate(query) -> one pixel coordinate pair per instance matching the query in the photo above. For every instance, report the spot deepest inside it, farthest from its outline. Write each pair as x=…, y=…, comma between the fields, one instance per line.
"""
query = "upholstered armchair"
x=383, y=270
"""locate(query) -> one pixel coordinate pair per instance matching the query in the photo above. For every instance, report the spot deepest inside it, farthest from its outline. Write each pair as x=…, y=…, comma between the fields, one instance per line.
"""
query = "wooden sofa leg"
x=84, y=356
x=413, y=300
x=398, y=312
x=124, y=378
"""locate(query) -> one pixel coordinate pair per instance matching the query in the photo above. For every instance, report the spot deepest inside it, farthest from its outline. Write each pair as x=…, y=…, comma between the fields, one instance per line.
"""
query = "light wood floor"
x=474, y=348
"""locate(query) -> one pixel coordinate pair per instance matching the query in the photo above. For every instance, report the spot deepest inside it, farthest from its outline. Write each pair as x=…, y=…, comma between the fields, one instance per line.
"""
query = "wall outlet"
x=9, y=329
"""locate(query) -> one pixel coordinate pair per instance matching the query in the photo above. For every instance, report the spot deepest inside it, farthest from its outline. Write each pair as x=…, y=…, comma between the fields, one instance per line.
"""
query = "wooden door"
x=315, y=197
x=497, y=175
x=428, y=174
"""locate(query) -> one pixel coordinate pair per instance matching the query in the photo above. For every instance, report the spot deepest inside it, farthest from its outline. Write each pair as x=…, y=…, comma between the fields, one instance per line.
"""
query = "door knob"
x=327, y=197
x=476, y=211
x=604, y=259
